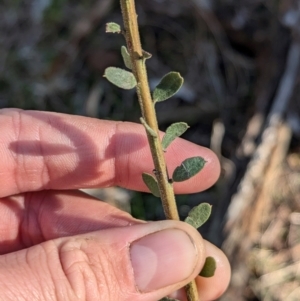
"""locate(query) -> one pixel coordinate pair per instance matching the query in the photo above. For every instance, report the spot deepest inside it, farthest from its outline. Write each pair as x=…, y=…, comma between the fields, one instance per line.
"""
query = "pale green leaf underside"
x=168, y=86
x=199, y=215
x=126, y=57
x=151, y=183
x=188, y=169
x=209, y=268
x=173, y=131
x=113, y=27
x=121, y=78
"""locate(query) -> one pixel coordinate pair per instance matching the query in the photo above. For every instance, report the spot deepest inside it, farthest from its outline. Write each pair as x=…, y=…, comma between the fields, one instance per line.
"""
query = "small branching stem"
x=147, y=107
x=148, y=111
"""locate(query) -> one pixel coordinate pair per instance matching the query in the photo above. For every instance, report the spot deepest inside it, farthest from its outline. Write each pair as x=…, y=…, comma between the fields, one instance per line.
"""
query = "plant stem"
x=148, y=111
x=147, y=107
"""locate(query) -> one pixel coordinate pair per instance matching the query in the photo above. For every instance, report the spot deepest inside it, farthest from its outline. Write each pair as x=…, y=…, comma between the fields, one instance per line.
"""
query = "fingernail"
x=162, y=258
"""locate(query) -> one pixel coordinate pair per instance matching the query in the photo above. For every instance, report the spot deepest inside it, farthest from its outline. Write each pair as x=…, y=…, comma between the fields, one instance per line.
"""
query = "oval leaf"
x=126, y=57
x=199, y=215
x=151, y=183
x=121, y=78
x=113, y=27
x=209, y=268
x=168, y=86
x=173, y=131
x=188, y=169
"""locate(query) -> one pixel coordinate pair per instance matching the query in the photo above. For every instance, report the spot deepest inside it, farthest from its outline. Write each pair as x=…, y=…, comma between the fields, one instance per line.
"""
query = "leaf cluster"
x=168, y=86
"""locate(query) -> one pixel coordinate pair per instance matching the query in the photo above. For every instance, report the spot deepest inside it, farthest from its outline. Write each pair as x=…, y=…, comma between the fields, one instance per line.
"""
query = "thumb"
x=142, y=262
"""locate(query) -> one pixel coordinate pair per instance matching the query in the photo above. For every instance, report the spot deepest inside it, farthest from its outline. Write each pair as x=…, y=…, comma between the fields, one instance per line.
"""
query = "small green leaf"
x=113, y=27
x=126, y=57
x=121, y=78
x=168, y=86
x=173, y=131
x=199, y=215
x=148, y=128
x=188, y=169
x=168, y=299
x=151, y=183
x=209, y=268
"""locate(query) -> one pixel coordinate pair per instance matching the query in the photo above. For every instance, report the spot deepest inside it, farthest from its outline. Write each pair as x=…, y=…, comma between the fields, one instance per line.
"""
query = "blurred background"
x=240, y=61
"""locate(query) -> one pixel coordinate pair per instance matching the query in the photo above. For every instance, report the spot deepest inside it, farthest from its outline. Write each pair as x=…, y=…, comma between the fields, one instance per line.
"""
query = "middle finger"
x=31, y=218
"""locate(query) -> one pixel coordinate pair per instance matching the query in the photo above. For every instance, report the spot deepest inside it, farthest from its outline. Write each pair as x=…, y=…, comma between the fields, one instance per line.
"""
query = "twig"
x=147, y=107
x=148, y=111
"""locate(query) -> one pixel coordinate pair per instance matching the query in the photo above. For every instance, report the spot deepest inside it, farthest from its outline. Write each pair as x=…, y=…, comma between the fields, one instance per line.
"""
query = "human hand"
x=57, y=243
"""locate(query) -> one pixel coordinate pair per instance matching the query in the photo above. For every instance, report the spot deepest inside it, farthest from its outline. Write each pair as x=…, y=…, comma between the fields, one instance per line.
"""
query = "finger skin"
x=87, y=267
x=40, y=150
x=43, y=150
x=34, y=218
x=221, y=277
x=211, y=288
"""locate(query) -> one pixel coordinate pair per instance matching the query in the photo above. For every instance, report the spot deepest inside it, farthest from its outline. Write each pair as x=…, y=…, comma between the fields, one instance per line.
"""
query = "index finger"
x=43, y=150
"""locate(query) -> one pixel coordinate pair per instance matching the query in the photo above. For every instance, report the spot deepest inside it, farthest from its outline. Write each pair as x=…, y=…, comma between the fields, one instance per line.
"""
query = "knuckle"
x=89, y=274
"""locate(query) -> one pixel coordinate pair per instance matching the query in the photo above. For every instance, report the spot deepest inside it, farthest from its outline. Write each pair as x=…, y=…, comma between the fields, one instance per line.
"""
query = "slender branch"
x=191, y=291
x=148, y=111
x=147, y=107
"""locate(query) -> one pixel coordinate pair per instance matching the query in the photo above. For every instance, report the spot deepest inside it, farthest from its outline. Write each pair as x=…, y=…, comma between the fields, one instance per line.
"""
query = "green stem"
x=148, y=111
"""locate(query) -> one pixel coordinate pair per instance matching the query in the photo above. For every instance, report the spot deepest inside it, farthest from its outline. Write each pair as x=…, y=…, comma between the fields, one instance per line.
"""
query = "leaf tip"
x=112, y=27
x=209, y=267
x=173, y=131
x=168, y=86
